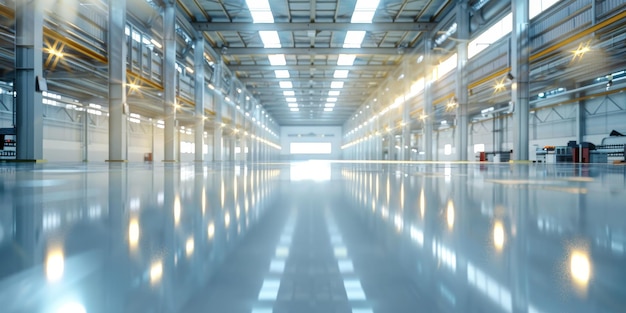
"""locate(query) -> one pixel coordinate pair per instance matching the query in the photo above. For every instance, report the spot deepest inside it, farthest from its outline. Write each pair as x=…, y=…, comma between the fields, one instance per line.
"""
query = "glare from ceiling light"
x=334, y=93
x=292, y=105
x=341, y=74
x=336, y=85
x=331, y=99
x=286, y=85
x=346, y=59
x=291, y=99
x=289, y=93
x=281, y=73
x=294, y=109
x=328, y=109
x=329, y=105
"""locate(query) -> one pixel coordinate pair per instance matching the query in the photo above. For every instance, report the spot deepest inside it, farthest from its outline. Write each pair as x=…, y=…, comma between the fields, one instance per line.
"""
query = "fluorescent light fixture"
x=336, y=85
x=292, y=105
x=329, y=105
x=331, y=99
x=341, y=74
x=354, y=291
x=346, y=59
x=156, y=43
x=289, y=93
x=354, y=38
x=365, y=16
x=294, y=109
x=286, y=85
x=281, y=73
x=260, y=11
x=277, y=59
x=277, y=266
x=291, y=99
x=270, y=39
x=345, y=266
x=328, y=109
x=334, y=93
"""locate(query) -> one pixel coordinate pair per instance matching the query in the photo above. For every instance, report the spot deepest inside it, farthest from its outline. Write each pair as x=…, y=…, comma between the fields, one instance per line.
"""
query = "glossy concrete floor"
x=312, y=237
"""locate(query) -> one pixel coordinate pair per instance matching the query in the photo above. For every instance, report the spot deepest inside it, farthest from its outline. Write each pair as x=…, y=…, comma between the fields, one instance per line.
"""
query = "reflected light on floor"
x=211, y=230
x=450, y=214
x=156, y=272
x=580, y=267
x=227, y=219
x=318, y=171
x=55, y=265
x=176, y=210
x=422, y=204
x=498, y=235
x=133, y=233
x=72, y=307
x=189, y=246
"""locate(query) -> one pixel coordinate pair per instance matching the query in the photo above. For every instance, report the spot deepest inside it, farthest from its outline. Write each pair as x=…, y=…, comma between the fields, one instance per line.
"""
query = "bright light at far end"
x=498, y=235
x=580, y=267
x=55, y=265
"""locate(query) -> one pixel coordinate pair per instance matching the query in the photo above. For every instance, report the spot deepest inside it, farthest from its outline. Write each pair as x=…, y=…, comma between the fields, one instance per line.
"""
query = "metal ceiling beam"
x=318, y=26
x=264, y=81
x=301, y=67
x=314, y=51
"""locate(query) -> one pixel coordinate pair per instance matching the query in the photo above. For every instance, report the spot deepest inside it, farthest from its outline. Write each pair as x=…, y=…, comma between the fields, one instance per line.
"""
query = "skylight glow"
x=334, y=93
x=291, y=99
x=292, y=105
x=286, y=85
x=277, y=59
x=289, y=93
x=336, y=85
x=270, y=39
x=346, y=59
x=364, y=11
x=260, y=11
x=281, y=73
x=341, y=74
x=354, y=38
x=331, y=99
x=294, y=110
x=328, y=109
x=329, y=105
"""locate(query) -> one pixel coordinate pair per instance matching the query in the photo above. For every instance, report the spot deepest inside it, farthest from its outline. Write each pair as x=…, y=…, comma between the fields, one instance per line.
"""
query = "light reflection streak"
x=55, y=264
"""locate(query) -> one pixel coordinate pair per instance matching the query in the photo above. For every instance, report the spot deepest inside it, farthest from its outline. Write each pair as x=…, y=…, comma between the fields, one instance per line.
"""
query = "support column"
x=199, y=96
x=461, y=131
x=428, y=99
x=169, y=81
x=405, y=147
x=28, y=69
x=117, y=82
x=520, y=53
x=218, y=154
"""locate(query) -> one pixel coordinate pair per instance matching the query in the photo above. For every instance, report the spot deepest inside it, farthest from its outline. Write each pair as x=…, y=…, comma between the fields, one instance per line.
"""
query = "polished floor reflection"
x=312, y=237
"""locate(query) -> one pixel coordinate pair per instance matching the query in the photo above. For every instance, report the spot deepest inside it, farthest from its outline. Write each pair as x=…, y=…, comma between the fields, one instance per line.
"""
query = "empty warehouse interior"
x=364, y=156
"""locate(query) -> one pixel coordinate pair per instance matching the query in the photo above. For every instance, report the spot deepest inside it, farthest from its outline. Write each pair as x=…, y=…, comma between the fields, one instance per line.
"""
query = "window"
x=491, y=35
x=538, y=6
x=447, y=149
x=479, y=147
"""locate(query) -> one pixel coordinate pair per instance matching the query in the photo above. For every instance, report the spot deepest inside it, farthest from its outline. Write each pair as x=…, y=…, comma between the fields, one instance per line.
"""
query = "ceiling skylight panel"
x=286, y=85
x=331, y=99
x=289, y=93
x=364, y=11
x=328, y=109
x=294, y=109
x=329, y=105
x=334, y=93
x=292, y=105
x=281, y=73
x=291, y=99
x=354, y=38
x=340, y=74
x=336, y=85
x=260, y=11
x=346, y=59
x=277, y=59
x=270, y=39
